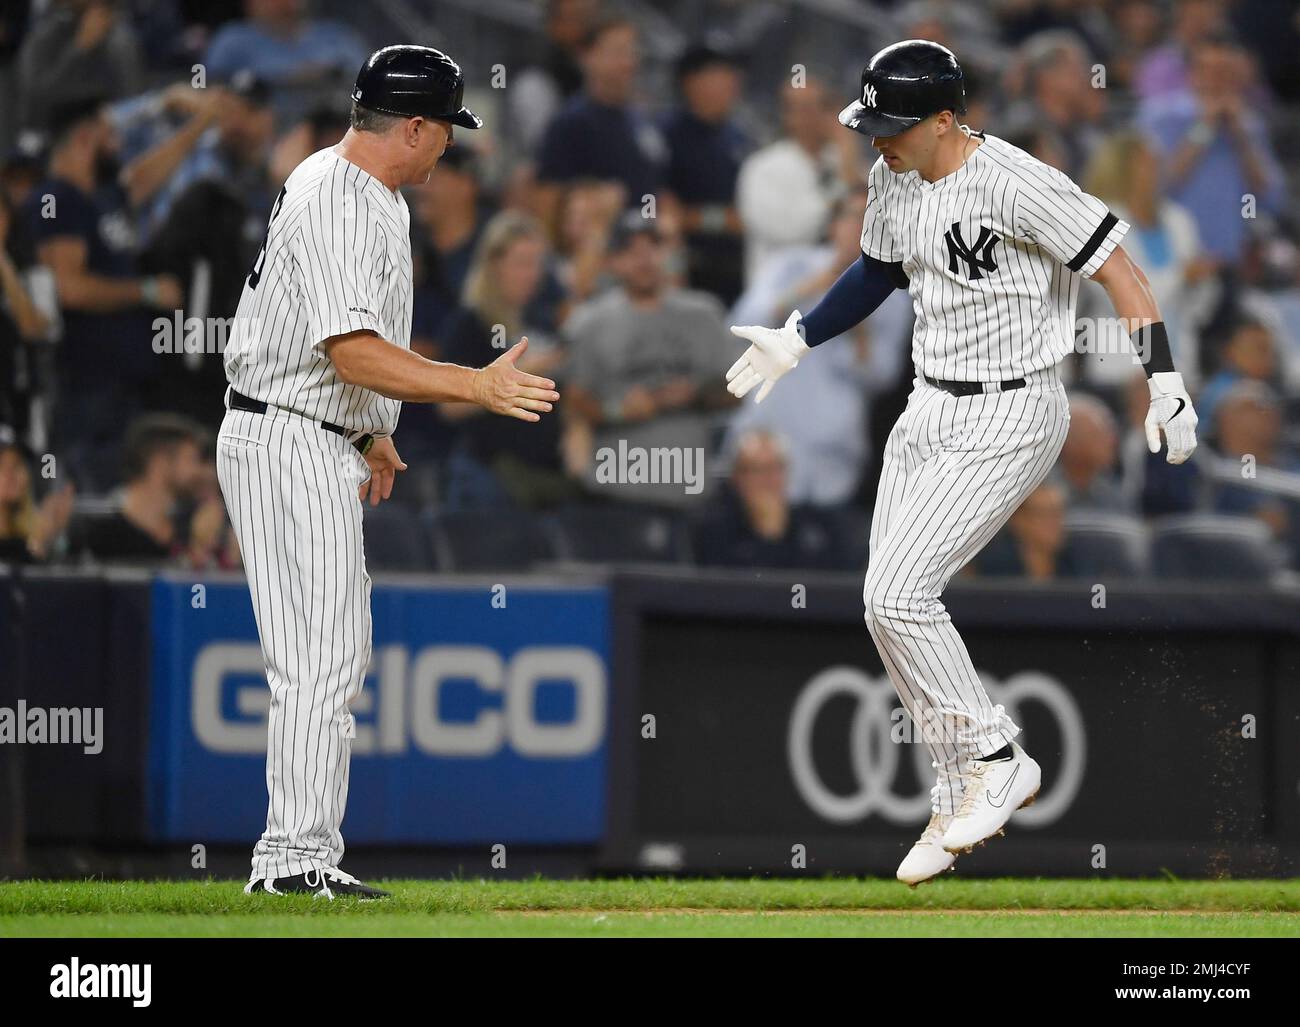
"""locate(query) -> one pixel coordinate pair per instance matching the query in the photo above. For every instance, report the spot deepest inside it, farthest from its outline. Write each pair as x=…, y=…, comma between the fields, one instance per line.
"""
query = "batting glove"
x=774, y=351
x=1171, y=412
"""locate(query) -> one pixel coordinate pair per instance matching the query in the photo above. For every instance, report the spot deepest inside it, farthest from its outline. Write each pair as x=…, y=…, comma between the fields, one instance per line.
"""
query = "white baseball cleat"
x=927, y=857
x=994, y=790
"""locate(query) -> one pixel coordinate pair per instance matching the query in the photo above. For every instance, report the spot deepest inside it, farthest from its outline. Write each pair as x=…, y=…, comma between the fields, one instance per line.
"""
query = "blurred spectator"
x=450, y=213
x=828, y=452
x=1060, y=97
x=1150, y=484
x=28, y=530
x=499, y=461
x=1033, y=543
x=163, y=469
x=14, y=23
x=304, y=59
x=1125, y=173
x=647, y=365
x=1088, y=457
x=1165, y=69
x=77, y=50
x=587, y=215
x=21, y=324
x=1137, y=27
x=226, y=138
x=1215, y=149
x=786, y=191
x=82, y=229
x=1250, y=354
x=324, y=125
x=600, y=134
x=705, y=148
x=752, y=522
x=1250, y=426
x=551, y=73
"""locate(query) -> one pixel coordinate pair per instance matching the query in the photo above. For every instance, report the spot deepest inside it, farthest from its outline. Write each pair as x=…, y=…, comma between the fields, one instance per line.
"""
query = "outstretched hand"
x=504, y=389
x=774, y=352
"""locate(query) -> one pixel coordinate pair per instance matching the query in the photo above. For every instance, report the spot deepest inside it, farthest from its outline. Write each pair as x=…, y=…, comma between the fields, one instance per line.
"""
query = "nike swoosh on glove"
x=1171, y=412
x=773, y=352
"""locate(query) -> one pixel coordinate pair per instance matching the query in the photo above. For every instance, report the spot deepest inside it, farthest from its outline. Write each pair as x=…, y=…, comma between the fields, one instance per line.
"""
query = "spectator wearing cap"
x=81, y=226
x=646, y=368
x=1214, y=148
x=28, y=529
x=786, y=192
x=77, y=50
x=705, y=151
x=225, y=137
x=600, y=134
x=752, y=523
x=303, y=59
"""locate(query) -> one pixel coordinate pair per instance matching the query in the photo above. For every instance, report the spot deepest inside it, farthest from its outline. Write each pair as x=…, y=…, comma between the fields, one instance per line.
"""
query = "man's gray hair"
x=366, y=120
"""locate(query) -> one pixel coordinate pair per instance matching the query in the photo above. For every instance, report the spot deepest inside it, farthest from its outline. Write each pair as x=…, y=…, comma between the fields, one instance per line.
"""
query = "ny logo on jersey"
x=869, y=95
x=978, y=257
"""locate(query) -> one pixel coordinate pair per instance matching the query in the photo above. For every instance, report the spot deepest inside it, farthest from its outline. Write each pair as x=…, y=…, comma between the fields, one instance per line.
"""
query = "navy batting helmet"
x=414, y=81
x=903, y=84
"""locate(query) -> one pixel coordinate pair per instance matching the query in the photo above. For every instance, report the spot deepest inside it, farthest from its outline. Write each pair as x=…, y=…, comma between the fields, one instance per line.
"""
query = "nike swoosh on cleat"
x=996, y=800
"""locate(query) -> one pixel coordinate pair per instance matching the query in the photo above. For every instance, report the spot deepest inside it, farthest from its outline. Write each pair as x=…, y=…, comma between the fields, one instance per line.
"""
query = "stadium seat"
x=612, y=534
x=487, y=540
x=394, y=539
x=1214, y=547
x=1106, y=543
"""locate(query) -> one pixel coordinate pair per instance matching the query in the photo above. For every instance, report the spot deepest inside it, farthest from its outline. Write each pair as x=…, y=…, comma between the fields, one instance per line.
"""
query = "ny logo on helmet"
x=978, y=257
x=869, y=95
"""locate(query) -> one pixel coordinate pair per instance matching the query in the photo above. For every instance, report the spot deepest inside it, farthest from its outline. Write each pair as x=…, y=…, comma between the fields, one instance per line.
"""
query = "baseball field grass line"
x=224, y=897
x=356, y=923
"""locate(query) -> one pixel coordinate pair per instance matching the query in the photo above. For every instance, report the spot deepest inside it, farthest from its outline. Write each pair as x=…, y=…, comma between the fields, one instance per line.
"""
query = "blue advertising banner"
x=480, y=721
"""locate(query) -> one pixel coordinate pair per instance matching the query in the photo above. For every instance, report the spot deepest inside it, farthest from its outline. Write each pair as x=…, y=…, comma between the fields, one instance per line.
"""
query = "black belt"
x=974, y=388
x=238, y=401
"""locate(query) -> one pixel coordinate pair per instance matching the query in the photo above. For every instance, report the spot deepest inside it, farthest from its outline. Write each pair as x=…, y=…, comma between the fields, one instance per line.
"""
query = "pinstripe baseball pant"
x=955, y=469
x=291, y=490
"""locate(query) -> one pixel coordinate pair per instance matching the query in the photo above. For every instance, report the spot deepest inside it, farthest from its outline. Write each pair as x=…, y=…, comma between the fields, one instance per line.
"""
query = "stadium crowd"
x=627, y=201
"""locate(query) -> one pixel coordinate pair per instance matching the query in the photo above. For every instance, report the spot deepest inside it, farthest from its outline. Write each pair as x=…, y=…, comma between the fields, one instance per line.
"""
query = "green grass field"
x=663, y=908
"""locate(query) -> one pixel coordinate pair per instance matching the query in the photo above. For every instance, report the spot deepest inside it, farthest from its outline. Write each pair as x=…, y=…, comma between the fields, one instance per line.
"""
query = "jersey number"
x=255, y=275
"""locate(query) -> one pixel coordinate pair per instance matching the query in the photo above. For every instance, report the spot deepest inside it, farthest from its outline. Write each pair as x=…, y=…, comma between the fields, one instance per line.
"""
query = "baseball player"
x=990, y=244
x=319, y=363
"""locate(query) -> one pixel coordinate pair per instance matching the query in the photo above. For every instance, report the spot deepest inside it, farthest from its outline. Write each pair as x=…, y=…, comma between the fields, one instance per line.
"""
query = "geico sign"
x=874, y=755
x=403, y=706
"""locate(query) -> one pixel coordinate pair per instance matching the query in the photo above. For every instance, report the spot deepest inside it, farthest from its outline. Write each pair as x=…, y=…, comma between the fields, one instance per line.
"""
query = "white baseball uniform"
x=993, y=254
x=336, y=259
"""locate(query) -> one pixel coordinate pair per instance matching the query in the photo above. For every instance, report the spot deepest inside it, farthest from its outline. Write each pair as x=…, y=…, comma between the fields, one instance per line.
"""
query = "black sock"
x=1004, y=753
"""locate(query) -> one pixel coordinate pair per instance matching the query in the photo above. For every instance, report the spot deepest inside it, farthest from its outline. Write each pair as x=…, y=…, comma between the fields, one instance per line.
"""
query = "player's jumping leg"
x=956, y=469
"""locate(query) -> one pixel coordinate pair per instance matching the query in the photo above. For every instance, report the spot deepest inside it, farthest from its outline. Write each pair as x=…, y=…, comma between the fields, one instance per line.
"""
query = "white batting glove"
x=773, y=352
x=1171, y=412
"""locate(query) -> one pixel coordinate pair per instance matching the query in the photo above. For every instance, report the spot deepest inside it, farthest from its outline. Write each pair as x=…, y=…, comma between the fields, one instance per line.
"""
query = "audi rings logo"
x=874, y=757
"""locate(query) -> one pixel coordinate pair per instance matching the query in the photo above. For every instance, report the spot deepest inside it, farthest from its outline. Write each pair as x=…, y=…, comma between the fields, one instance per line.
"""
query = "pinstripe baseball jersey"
x=993, y=253
x=336, y=259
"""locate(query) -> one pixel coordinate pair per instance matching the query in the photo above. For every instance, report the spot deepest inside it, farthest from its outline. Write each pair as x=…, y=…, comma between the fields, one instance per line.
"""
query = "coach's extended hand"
x=504, y=389
x=773, y=352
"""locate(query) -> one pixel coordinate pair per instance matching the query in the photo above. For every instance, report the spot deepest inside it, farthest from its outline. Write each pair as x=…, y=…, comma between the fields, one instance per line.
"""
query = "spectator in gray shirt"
x=646, y=378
